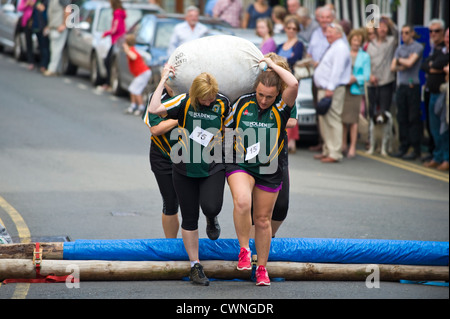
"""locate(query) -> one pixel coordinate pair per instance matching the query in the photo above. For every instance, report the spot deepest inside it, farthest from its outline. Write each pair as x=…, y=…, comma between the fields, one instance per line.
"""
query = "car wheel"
x=18, y=50
x=95, y=72
x=67, y=67
x=115, y=79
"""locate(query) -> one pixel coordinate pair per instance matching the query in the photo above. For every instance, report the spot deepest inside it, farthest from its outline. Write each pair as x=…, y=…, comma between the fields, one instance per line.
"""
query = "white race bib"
x=252, y=151
x=201, y=136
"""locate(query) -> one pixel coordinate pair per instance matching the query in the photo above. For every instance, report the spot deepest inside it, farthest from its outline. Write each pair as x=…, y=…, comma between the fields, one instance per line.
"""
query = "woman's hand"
x=269, y=62
x=168, y=72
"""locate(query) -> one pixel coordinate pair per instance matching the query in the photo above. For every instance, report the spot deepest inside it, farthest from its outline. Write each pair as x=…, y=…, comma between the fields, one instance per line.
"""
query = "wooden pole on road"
x=93, y=270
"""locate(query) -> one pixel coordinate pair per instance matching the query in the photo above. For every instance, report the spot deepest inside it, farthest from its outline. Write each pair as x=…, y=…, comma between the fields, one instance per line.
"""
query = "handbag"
x=303, y=69
x=323, y=106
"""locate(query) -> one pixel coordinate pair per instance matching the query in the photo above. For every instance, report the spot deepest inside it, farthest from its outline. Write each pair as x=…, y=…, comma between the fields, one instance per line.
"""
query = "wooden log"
x=92, y=270
x=25, y=250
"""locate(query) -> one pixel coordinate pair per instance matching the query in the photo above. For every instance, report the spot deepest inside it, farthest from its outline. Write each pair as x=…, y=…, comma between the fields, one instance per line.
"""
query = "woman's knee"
x=242, y=203
x=262, y=222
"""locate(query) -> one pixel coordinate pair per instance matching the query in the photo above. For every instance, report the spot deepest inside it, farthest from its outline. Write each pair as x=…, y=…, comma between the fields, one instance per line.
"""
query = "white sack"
x=233, y=61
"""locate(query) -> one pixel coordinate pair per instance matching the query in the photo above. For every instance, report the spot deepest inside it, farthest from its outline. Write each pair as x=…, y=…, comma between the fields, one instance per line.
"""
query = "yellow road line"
x=408, y=166
x=21, y=289
x=22, y=228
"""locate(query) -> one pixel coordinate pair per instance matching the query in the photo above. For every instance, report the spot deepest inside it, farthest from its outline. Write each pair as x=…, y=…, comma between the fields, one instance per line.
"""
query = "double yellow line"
x=23, y=231
x=409, y=166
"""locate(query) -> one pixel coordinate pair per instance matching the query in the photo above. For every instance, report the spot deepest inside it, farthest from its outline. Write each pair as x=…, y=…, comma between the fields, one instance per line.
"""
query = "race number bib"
x=201, y=136
x=252, y=151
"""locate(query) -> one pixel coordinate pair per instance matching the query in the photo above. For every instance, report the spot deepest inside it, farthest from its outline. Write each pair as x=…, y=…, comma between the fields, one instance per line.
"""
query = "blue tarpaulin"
x=311, y=250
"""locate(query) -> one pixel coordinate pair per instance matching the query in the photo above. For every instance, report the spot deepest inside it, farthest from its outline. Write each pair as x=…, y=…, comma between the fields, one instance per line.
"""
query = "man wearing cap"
x=330, y=77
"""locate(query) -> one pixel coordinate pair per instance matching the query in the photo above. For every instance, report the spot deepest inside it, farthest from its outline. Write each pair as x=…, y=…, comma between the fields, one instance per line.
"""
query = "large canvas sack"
x=233, y=61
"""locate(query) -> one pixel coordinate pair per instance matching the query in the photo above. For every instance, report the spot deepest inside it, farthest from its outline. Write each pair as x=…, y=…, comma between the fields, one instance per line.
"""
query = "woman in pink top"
x=116, y=31
x=264, y=29
x=26, y=6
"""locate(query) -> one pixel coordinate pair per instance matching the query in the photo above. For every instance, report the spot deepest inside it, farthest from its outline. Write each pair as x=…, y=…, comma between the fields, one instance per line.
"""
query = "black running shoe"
x=198, y=277
x=212, y=228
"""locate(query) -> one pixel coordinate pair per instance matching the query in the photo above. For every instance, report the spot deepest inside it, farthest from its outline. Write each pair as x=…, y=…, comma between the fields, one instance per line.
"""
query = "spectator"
x=354, y=91
x=319, y=43
x=307, y=24
x=346, y=26
x=406, y=63
x=292, y=49
x=141, y=73
x=258, y=9
x=316, y=49
x=26, y=21
x=209, y=6
x=382, y=79
x=264, y=29
x=433, y=80
x=293, y=6
x=446, y=70
x=437, y=74
x=117, y=30
x=229, y=11
x=58, y=32
x=330, y=77
x=371, y=35
x=278, y=15
x=188, y=30
x=39, y=25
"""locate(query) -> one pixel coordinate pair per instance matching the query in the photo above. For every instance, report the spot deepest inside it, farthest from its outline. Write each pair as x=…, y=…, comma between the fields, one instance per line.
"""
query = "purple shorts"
x=270, y=183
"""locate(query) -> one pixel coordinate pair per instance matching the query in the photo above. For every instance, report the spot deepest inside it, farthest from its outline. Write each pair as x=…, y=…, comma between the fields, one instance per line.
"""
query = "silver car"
x=11, y=37
x=85, y=46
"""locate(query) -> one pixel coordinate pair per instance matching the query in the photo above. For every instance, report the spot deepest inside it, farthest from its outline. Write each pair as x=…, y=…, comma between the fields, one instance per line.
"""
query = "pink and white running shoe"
x=244, y=262
x=262, y=277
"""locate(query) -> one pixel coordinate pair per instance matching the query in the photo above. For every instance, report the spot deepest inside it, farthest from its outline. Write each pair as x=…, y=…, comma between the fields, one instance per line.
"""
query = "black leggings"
x=282, y=204
x=169, y=196
x=193, y=193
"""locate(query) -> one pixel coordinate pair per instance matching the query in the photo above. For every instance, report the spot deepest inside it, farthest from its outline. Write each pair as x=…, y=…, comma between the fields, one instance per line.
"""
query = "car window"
x=3, y=2
x=144, y=32
x=164, y=31
x=87, y=15
x=133, y=15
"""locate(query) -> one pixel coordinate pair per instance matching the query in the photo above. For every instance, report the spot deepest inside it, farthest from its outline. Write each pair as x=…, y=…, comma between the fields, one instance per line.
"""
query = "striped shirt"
x=161, y=145
x=260, y=134
x=199, y=150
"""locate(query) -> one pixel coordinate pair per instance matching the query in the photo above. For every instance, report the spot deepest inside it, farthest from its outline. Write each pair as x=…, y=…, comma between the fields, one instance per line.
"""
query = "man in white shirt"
x=318, y=44
x=188, y=30
x=330, y=77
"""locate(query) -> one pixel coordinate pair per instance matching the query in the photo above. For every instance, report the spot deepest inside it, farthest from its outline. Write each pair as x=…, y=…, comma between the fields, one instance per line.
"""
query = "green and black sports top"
x=260, y=133
x=199, y=150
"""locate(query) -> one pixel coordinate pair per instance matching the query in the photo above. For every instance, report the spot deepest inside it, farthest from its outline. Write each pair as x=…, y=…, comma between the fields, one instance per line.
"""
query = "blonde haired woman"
x=198, y=169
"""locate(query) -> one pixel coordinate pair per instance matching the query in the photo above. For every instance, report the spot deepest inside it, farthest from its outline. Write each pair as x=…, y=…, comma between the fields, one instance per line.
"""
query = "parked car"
x=11, y=36
x=153, y=34
x=306, y=112
x=85, y=46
